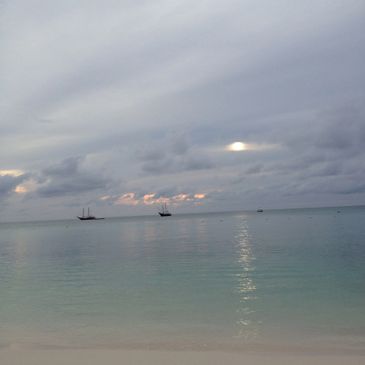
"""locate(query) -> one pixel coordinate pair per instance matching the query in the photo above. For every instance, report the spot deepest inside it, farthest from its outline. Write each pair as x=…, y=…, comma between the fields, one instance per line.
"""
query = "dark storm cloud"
x=67, y=167
x=69, y=178
x=344, y=130
x=173, y=154
x=336, y=146
x=254, y=169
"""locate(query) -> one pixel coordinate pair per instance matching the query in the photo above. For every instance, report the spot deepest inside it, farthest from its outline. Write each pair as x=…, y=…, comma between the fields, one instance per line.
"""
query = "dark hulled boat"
x=88, y=217
x=164, y=211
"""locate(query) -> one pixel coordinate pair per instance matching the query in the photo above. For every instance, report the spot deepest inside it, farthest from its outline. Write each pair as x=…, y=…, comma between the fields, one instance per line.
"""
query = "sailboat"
x=164, y=211
x=88, y=217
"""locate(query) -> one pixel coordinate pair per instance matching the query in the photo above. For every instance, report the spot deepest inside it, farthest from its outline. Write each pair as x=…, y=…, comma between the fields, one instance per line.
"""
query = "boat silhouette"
x=164, y=211
x=88, y=217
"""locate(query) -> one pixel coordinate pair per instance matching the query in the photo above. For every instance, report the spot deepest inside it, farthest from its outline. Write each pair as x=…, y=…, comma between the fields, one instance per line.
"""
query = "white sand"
x=114, y=357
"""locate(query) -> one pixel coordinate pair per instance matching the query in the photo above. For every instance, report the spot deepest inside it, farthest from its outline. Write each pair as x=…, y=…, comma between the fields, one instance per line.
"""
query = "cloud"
x=9, y=183
x=67, y=167
x=343, y=129
x=172, y=154
x=13, y=172
x=133, y=199
x=255, y=169
x=69, y=178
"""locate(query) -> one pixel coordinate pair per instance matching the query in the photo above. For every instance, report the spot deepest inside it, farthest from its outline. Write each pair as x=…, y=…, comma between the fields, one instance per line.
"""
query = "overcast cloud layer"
x=123, y=105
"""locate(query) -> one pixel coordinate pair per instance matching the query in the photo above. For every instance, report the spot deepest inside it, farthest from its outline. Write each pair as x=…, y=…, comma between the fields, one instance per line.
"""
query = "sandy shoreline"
x=141, y=357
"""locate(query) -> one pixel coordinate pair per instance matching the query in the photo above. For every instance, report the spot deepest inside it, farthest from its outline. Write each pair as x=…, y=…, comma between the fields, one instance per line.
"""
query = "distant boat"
x=164, y=211
x=88, y=217
x=260, y=210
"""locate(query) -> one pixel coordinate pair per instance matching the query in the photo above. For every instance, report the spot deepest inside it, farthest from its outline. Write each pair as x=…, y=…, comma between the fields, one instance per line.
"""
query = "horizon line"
x=188, y=213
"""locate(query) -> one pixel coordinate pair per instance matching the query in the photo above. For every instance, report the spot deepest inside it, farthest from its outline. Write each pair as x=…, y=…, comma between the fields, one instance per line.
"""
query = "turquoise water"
x=289, y=277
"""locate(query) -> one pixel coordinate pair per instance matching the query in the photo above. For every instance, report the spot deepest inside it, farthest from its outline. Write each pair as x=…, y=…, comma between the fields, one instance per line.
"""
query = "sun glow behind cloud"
x=236, y=147
x=241, y=147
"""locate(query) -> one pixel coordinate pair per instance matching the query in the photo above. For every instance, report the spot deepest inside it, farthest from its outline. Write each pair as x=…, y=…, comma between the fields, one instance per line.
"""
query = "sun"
x=236, y=147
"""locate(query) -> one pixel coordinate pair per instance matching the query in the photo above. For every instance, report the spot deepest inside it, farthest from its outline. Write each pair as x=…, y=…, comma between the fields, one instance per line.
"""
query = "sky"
x=123, y=105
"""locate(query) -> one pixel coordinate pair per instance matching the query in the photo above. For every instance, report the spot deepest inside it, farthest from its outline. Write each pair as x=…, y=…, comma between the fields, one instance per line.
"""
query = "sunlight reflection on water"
x=248, y=325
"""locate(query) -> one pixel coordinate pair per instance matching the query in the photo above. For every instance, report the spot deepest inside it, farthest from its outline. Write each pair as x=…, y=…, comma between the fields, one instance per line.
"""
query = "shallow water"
x=289, y=277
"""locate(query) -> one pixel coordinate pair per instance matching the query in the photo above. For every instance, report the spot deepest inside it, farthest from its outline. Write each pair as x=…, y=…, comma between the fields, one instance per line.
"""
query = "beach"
x=116, y=357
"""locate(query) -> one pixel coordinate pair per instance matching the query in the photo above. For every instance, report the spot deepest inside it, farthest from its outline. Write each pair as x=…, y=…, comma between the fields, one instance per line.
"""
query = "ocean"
x=291, y=279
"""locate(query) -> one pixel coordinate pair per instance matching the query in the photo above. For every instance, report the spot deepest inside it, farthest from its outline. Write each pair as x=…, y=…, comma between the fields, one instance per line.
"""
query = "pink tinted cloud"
x=132, y=199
